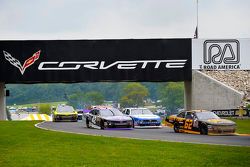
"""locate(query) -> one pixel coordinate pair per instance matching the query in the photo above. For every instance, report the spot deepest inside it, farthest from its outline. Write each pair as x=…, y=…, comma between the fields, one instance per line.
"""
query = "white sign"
x=221, y=54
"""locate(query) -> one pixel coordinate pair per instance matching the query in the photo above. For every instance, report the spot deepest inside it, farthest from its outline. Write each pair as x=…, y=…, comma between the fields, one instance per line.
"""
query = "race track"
x=164, y=134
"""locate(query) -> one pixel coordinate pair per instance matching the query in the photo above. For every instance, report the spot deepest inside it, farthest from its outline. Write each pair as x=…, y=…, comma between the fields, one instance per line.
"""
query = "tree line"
x=128, y=94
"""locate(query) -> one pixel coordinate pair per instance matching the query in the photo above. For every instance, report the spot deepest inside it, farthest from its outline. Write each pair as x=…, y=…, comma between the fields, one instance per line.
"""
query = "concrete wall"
x=2, y=102
x=204, y=92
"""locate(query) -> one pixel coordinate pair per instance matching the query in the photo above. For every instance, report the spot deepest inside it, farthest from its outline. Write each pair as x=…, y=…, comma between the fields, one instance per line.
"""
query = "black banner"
x=231, y=112
x=95, y=60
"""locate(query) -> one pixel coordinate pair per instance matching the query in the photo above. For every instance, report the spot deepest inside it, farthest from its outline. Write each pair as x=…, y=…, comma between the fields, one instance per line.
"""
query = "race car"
x=103, y=118
x=64, y=113
x=143, y=118
x=200, y=122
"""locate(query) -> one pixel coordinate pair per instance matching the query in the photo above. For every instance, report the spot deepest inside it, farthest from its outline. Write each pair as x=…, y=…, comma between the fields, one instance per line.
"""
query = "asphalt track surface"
x=163, y=134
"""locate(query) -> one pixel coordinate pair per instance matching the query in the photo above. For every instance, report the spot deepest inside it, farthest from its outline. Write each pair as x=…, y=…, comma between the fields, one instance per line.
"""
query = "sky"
x=116, y=19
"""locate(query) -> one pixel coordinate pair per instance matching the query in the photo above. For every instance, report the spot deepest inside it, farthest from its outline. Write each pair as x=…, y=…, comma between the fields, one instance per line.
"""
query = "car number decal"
x=94, y=119
x=188, y=124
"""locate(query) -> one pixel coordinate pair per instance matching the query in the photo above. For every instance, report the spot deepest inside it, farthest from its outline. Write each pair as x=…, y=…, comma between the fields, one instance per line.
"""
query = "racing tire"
x=203, y=130
x=102, y=125
x=54, y=119
x=87, y=123
x=73, y=120
x=176, y=128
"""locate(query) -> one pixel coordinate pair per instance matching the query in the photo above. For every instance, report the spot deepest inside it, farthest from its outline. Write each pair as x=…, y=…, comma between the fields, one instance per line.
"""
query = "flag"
x=196, y=32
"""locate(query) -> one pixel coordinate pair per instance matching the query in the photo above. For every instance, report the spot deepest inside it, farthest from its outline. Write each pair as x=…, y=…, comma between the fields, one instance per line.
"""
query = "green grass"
x=21, y=144
x=37, y=104
x=243, y=125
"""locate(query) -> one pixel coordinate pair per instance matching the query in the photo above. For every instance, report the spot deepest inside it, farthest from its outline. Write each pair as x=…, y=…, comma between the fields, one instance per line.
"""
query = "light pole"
x=197, y=18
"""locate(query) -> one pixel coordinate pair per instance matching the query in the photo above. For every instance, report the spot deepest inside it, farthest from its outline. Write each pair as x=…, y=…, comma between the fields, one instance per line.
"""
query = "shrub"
x=44, y=108
x=248, y=106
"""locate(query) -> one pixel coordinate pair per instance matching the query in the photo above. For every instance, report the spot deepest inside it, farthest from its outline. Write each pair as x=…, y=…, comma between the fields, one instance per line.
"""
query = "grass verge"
x=21, y=144
x=37, y=104
x=243, y=125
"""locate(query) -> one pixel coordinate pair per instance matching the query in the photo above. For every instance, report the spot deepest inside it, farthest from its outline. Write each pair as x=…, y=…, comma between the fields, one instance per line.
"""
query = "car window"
x=127, y=112
x=181, y=115
x=189, y=115
x=140, y=111
x=97, y=112
x=93, y=112
x=64, y=108
x=195, y=117
x=206, y=115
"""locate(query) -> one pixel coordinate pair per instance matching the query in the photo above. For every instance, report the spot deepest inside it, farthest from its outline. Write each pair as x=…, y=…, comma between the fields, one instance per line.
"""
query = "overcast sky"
x=102, y=19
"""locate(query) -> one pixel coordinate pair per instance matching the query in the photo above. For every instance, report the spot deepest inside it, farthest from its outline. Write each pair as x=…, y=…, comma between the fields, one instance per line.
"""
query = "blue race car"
x=143, y=118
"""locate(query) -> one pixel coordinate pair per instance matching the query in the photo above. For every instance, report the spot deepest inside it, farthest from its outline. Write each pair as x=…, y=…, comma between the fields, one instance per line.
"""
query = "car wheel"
x=87, y=123
x=102, y=124
x=176, y=128
x=203, y=130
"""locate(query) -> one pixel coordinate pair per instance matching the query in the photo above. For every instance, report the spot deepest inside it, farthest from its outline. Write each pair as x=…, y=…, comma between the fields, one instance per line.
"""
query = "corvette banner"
x=65, y=61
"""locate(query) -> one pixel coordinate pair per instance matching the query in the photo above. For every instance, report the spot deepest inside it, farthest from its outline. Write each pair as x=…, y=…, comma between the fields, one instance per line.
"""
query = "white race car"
x=143, y=118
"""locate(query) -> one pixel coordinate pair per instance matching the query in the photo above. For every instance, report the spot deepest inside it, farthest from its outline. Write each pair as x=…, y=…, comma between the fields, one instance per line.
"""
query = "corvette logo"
x=17, y=63
x=92, y=65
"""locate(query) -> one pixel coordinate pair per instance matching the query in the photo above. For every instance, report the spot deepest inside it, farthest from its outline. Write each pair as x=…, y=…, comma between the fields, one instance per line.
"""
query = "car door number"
x=188, y=124
x=94, y=119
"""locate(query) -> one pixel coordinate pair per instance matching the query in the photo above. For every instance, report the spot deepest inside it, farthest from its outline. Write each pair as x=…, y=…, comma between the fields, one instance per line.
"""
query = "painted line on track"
x=87, y=134
x=239, y=134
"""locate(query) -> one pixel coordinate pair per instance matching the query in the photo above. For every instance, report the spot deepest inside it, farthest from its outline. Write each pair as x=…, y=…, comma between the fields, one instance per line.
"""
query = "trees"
x=133, y=95
x=43, y=93
x=94, y=98
x=76, y=100
x=80, y=99
x=172, y=96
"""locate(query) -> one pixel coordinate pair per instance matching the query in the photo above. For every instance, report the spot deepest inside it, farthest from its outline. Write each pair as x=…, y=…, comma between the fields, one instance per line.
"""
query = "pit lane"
x=163, y=134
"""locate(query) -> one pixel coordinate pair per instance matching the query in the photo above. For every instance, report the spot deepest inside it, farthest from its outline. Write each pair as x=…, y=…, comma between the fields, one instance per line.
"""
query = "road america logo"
x=17, y=63
x=221, y=54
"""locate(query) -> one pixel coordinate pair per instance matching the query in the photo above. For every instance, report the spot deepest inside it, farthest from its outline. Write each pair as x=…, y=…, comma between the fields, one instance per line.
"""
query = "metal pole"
x=2, y=102
x=197, y=7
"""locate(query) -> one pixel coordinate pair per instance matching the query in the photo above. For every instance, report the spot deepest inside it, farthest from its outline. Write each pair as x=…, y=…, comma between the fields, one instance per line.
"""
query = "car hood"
x=117, y=118
x=145, y=116
x=219, y=122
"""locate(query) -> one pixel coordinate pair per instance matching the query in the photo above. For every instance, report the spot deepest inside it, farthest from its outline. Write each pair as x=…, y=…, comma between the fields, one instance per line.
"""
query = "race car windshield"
x=110, y=112
x=65, y=109
x=141, y=112
x=206, y=115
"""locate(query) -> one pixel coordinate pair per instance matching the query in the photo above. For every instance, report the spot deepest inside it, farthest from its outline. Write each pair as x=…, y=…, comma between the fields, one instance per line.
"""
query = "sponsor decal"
x=17, y=63
x=93, y=65
x=221, y=55
x=102, y=65
x=225, y=112
x=231, y=112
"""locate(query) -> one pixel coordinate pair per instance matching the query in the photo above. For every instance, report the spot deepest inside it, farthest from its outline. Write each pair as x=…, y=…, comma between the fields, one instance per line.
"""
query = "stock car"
x=143, y=118
x=64, y=113
x=103, y=118
x=200, y=122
